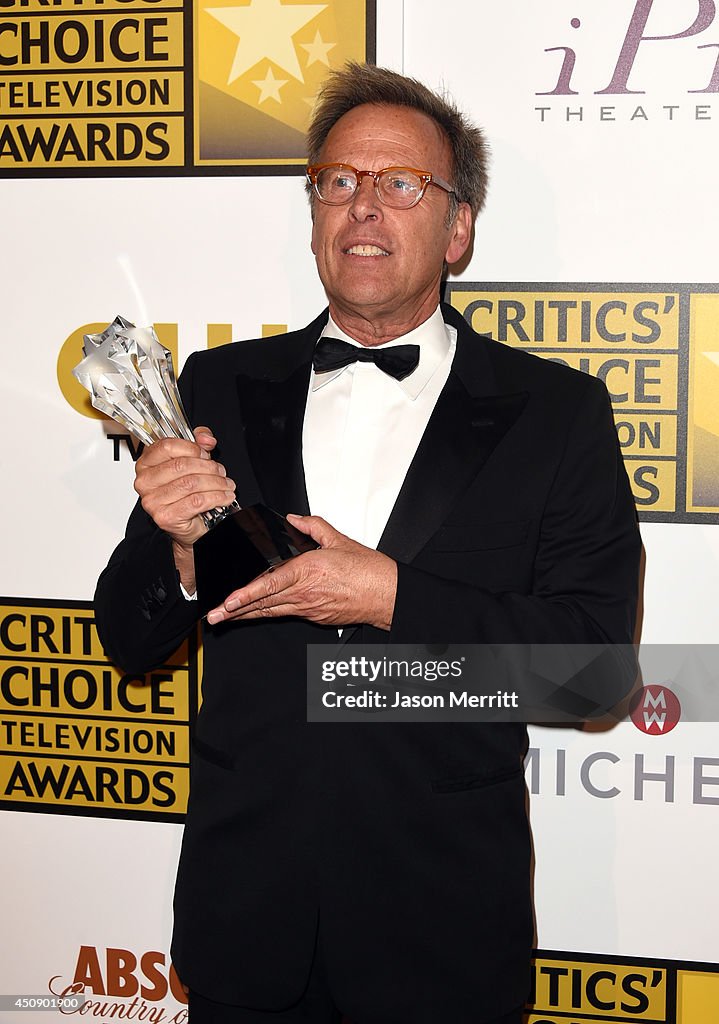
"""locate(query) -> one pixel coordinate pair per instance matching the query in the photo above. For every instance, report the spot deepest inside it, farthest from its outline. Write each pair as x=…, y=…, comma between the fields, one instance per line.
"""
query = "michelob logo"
x=106, y=86
x=578, y=988
x=258, y=71
x=655, y=710
x=79, y=736
x=656, y=347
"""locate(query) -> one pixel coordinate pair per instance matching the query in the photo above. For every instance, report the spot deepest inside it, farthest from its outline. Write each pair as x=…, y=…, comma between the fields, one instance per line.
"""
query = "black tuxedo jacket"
x=405, y=846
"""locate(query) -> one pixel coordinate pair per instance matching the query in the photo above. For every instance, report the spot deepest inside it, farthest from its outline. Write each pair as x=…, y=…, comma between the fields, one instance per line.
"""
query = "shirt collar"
x=435, y=338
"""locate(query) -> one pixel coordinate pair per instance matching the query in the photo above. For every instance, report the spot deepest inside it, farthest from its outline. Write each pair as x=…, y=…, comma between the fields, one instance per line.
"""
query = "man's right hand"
x=176, y=481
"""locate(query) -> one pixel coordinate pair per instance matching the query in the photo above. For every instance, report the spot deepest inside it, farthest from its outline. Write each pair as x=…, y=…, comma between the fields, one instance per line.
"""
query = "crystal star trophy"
x=130, y=377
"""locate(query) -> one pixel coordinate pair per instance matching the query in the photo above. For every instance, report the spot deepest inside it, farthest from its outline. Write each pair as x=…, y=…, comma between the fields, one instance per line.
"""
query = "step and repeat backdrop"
x=151, y=156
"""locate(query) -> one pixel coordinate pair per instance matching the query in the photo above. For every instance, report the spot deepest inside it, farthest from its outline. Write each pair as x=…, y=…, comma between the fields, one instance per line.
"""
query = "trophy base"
x=240, y=547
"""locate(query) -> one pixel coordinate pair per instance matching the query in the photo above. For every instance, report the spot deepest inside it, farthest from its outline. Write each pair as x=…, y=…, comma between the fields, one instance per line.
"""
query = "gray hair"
x=356, y=84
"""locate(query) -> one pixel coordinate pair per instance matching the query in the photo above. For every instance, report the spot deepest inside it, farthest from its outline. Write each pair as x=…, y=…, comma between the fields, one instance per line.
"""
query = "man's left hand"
x=342, y=583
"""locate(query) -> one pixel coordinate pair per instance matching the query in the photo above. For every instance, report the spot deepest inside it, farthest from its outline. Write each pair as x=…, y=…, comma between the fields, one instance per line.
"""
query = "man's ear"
x=460, y=234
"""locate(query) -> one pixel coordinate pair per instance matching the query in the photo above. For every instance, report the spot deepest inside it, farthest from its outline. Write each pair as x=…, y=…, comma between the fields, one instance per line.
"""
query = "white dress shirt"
x=362, y=429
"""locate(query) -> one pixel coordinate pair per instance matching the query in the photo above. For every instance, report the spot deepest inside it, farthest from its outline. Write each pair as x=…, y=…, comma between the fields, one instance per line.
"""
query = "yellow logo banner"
x=167, y=85
x=569, y=988
x=656, y=347
x=76, y=733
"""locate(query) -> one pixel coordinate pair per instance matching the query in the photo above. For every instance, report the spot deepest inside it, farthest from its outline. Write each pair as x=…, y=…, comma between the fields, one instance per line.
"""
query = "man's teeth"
x=366, y=250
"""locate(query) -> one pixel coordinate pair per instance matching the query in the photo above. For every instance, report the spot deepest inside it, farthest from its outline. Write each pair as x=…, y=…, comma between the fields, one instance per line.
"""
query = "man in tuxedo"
x=460, y=491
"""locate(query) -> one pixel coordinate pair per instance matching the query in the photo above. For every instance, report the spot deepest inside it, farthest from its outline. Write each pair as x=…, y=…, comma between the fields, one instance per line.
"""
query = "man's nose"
x=365, y=204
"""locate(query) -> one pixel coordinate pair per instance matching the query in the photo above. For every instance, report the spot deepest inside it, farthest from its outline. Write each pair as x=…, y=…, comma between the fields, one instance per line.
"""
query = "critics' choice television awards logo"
x=78, y=735
x=573, y=987
x=607, y=55
x=656, y=347
x=146, y=86
x=655, y=710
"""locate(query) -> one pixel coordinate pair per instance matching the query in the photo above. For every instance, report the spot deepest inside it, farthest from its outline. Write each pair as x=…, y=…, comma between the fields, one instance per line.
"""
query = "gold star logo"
x=260, y=65
x=317, y=50
x=264, y=29
x=270, y=87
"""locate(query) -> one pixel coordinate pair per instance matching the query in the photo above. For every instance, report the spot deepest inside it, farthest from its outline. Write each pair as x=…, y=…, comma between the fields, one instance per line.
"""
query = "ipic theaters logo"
x=151, y=86
x=617, y=67
x=656, y=347
x=77, y=735
x=573, y=987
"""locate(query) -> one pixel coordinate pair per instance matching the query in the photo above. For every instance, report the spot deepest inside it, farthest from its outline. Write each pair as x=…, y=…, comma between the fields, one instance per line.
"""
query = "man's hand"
x=341, y=584
x=176, y=481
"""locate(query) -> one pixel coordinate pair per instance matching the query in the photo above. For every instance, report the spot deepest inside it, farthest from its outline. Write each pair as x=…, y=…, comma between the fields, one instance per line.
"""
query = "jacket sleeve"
x=141, y=614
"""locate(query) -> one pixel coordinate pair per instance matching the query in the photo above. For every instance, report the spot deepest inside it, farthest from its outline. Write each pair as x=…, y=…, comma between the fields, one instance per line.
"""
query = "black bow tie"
x=398, y=361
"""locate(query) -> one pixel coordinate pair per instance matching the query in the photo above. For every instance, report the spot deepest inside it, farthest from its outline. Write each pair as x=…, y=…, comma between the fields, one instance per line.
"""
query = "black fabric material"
x=315, y=1005
x=397, y=360
x=515, y=523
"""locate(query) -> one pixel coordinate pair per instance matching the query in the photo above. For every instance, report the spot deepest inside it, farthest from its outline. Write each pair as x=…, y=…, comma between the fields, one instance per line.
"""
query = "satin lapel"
x=468, y=422
x=272, y=403
x=461, y=435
